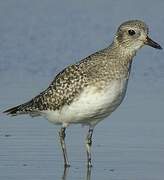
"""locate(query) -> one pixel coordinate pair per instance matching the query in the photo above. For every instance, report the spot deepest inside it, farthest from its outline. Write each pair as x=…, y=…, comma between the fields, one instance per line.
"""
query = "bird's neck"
x=124, y=54
x=122, y=59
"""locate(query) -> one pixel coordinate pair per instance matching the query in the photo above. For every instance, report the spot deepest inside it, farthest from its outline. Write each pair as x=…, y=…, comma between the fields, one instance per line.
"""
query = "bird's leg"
x=88, y=175
x=88, y=146
x=62, y=136
x=65, y=173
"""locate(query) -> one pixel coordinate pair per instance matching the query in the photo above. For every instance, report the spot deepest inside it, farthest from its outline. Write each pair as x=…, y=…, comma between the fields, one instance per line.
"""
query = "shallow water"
x=37, y=39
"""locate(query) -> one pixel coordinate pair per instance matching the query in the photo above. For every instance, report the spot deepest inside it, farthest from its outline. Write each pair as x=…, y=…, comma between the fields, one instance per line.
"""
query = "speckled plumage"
x=98, y=69
x=91, y=89
x=95, y=70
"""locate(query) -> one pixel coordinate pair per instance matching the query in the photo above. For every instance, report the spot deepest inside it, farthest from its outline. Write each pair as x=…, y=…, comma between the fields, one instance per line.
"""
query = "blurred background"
x=38, y=39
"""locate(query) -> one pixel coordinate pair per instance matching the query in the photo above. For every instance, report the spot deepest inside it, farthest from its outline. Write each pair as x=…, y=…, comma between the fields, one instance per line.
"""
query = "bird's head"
x=132, y=35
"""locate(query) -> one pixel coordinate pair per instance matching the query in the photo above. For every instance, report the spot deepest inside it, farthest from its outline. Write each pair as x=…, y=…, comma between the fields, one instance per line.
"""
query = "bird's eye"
x=131, y=32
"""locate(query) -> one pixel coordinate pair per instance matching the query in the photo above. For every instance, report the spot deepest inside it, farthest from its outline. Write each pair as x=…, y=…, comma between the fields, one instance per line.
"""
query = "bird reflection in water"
x=65, y=173
x=87, y=177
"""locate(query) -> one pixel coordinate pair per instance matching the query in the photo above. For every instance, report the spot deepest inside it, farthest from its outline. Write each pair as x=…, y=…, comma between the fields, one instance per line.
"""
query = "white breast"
x=92, y=106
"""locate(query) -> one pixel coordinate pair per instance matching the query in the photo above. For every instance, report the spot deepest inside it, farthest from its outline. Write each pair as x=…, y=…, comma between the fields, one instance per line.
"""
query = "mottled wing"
x=66, y=86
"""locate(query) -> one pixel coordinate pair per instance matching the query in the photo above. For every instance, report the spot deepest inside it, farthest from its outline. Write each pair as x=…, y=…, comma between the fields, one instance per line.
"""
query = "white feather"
x=92, y=106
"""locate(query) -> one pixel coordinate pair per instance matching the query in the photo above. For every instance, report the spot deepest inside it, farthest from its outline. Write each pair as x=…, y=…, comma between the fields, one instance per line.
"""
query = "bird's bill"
x=152, y=43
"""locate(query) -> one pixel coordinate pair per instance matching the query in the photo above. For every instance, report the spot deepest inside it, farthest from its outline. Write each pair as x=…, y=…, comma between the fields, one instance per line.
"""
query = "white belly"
x=92, y=106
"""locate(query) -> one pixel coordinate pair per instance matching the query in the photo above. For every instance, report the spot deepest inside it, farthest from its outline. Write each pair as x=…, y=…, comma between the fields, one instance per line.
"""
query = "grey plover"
x=91, y=89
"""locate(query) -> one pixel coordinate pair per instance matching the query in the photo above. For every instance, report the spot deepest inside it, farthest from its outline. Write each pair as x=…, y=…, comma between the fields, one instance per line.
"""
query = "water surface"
x=37, y=39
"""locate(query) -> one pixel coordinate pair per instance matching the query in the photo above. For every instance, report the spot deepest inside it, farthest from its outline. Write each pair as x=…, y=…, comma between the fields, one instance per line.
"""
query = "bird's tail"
x=14, y=110
x=22, y=109
x=26, y=108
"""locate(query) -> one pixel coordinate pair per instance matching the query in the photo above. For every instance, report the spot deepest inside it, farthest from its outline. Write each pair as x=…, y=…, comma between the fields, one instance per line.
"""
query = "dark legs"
x=63, y=146
x=65, y=173
x=88, y=146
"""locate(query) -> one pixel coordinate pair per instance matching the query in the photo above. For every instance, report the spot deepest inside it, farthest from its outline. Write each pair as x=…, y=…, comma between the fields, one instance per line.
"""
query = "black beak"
x=152, y=43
